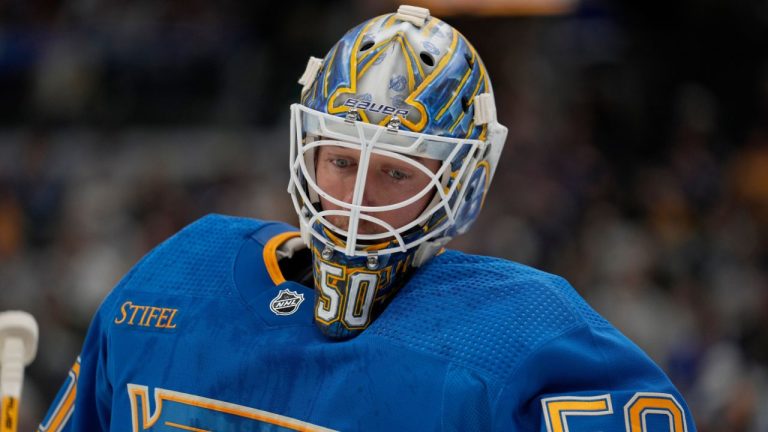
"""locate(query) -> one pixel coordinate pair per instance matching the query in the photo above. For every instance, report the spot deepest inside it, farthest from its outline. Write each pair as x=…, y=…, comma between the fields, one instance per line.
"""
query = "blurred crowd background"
x=636, y=166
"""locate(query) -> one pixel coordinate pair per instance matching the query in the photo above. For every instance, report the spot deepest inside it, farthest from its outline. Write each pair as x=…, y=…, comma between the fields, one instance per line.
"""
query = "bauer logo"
x=286, y=303
x=375, y=108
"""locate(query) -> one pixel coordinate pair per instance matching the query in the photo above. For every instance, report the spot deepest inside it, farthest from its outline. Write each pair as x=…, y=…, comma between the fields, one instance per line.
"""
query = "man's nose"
x=371, y=192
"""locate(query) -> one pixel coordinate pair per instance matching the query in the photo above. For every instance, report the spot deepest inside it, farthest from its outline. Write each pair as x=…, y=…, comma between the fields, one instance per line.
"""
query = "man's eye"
x=341, y=163
x=397, y=174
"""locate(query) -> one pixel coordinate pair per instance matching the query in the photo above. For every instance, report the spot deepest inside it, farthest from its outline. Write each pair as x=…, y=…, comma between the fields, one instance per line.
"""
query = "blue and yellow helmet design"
x=408, y=87
x=429, y=71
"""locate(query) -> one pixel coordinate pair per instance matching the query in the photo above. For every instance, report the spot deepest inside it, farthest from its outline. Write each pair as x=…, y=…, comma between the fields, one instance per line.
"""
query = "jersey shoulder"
x=515, y=286
x=485, y=313
x=198, y=260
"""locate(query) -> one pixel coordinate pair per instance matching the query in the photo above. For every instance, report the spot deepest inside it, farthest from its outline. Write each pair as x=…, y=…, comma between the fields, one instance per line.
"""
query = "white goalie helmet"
x=402, y=87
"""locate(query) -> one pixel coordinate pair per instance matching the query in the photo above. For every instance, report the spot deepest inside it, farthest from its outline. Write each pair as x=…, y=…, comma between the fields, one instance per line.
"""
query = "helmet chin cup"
x=351, y=291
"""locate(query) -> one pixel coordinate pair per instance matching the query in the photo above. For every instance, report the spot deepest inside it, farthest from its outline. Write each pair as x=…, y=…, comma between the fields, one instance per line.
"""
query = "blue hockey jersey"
x=204, y=334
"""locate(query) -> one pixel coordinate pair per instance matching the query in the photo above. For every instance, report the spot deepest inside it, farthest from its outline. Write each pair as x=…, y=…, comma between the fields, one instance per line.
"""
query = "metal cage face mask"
x=311, y=130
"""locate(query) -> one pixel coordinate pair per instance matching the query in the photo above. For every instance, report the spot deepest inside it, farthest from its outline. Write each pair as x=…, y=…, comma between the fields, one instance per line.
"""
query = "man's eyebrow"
x=341, y=151
x=350, y=152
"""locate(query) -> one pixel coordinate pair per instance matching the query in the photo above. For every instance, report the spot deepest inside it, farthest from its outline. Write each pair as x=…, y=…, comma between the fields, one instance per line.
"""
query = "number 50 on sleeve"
x=558, y=409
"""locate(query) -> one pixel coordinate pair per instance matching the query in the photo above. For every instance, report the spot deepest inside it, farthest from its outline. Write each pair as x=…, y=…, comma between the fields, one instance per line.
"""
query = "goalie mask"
x=393, y=147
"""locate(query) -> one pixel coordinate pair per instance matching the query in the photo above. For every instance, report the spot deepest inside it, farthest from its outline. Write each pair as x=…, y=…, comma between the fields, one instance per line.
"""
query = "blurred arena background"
x=637, y=162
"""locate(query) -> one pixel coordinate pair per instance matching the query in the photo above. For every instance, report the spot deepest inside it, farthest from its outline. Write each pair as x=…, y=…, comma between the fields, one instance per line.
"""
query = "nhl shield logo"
x=286, y=303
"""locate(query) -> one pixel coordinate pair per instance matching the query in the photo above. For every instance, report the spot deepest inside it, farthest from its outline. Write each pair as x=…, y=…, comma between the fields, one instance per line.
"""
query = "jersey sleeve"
x=589, y=379
x=84, y=400
x=197, y=254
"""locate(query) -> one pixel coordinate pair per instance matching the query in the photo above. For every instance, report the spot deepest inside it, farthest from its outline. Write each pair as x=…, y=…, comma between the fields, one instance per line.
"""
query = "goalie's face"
x=387, y=181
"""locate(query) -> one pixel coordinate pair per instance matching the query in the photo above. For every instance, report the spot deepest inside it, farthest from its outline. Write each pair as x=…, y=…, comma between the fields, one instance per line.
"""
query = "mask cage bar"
x=357, y=194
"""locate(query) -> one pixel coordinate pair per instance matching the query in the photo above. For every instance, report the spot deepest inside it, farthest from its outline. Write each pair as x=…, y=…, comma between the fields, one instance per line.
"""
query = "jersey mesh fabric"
x=466, y=402
x=181, y=256
x=482, y=313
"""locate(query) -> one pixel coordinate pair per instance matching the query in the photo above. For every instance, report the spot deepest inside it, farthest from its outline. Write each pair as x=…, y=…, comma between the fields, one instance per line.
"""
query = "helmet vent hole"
x=487, y=153
x=427, y=58
x=470, y=61
x=366, y=45
x=465, y=103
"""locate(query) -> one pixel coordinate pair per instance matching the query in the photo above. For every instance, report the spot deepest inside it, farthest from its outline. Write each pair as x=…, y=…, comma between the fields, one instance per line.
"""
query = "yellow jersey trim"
x=270, y=255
